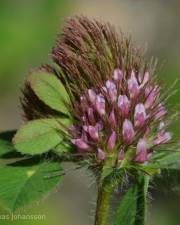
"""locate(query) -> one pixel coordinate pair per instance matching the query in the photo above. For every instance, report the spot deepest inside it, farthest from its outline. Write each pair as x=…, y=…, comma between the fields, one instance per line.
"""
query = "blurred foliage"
x=27, y=32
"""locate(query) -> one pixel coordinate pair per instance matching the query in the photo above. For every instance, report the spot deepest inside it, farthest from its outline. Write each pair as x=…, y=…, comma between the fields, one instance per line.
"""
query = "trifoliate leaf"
x=22, y=185
x=50, y=90
x=39, y=136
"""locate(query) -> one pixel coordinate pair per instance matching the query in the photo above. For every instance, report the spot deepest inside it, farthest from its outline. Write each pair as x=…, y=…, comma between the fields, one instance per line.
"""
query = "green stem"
x=141, y=214
x=103, y=204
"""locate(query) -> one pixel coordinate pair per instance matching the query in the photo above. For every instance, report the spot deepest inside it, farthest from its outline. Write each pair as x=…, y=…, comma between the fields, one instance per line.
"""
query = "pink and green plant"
x=99, y=104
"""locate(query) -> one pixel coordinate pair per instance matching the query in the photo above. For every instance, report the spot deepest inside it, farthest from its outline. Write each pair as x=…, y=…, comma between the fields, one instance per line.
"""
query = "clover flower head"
x=116, y=102
x=120, y=115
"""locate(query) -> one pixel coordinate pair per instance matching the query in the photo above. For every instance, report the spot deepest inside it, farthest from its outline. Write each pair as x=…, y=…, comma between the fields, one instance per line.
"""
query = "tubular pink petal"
x=112, y=119
x=141, y=157
x=111, y=90
x=80, y=144
x=101, y=154
x=142, y=145
x=128, y=131
x=112, y=141
x=140, y=115
x=123, y=104
x=93, y=132
x=133, y=86
x=141, y=151
x=100, y=104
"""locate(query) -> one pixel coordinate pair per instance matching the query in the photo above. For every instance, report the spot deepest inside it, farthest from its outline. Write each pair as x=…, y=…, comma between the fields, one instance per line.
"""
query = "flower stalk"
x=142, y=200
x=105, y=194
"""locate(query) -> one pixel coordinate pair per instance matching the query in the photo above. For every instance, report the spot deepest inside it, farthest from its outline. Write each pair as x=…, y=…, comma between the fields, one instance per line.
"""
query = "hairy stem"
x=141, y=214
x=105, y=193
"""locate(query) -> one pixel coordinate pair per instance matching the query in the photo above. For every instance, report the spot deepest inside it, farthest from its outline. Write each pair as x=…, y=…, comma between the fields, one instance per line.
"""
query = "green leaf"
x=50, y=90
x=126, y=211
x=133, y=206
x=40, y=136
x=23, y=185
x=6, y=145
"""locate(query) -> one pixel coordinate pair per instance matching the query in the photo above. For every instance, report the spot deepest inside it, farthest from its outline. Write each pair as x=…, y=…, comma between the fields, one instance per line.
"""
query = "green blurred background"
x=28, y=30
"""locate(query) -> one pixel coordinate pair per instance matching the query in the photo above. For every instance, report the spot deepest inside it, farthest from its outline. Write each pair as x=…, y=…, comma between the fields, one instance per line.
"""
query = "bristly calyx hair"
x=101, y=102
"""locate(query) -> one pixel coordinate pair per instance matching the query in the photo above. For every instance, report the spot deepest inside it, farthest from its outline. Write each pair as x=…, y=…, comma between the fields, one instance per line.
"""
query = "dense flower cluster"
x=116, y=104
x=120, y=116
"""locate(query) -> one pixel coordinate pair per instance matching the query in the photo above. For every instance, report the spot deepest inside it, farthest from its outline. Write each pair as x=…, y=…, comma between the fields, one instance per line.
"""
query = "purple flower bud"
x=162, y=138
x=112, y=119
x=111, y=90
x=93, y=132
x=100, y=104
x=123, y=104
x=139, y=115
x=141, y=151
x=80, y=144
x=161, y=112
x=152, y=96
x=133, y=86
x=91, y=115
x=128, y=131
x=112, y=141
x=142, y=145
x=117, y=74
x=121, y=154
x=92, y=96
x=101, y=154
